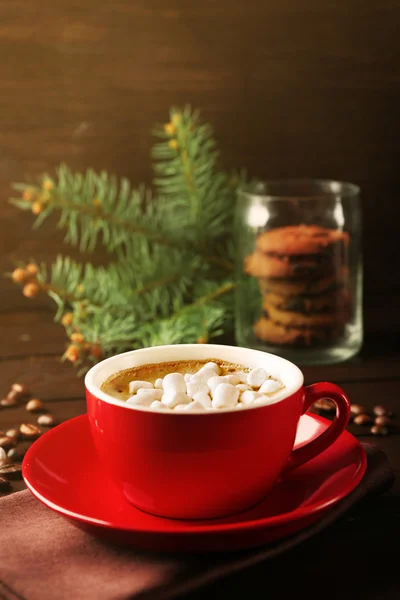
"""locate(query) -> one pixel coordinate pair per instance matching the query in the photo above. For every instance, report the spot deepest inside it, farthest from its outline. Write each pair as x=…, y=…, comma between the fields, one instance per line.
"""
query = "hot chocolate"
x=192, y=385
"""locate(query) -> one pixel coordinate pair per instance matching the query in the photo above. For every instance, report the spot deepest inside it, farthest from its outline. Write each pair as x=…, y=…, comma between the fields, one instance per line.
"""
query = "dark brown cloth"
x=43, y=556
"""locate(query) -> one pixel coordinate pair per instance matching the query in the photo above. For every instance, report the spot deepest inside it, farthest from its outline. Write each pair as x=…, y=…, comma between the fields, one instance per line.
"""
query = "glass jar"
x=299, y=269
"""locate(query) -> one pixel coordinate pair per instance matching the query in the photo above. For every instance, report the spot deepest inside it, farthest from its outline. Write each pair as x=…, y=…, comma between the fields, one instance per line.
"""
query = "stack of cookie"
x=303, y=276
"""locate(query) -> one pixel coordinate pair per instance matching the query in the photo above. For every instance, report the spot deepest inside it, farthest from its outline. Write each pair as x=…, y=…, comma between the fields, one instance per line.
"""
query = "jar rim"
x=299, y=189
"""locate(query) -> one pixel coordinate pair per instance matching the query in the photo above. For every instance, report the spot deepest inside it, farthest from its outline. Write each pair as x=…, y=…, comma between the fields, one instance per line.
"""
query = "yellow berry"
x=67, y=319
x=169, y=128
x=202, y=340
x=97, y=352
x=18, y=275
x=173, y=144
x=37, y=208
x=79, y=288
x=32, y=269
x=77, y=338
x=48, y=185
x=28, y=194
x=30, y=290
x=96, y=202
x=72, y=353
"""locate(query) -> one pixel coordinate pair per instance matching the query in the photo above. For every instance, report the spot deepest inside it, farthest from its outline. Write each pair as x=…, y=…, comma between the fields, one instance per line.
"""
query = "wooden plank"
x=62, y=410
x=46, y=377
x=354, y=371
x=29, y=337
x=291, y=88
x=369, y=393
x=30, y=333
x=30, y=330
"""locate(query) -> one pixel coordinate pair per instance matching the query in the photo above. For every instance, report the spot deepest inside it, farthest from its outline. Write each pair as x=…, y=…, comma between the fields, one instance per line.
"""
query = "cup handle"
x=315, y=392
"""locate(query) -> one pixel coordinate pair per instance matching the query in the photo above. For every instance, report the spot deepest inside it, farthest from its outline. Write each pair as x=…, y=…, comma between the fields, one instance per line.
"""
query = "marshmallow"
x=203, y=398
x=196, y=386
x=225, y=396
x=174, y=382
x=181, y=407
x=195, y=406
x=232, y=379
x=262, y=400
x=134, y=386
x=205, y=390
x=157, y=405
x=270, y=386
x=242, y=376
x=205, y=376
x=155, y=394
x=256, y=377
x=249, y=397
x=210, y=366
x=172, y=399
x=141, y=400
x=214, y=381
x=242, y=387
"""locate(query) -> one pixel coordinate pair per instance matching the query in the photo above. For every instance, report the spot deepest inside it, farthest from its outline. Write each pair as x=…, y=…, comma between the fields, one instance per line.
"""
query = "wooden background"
x=293, y=88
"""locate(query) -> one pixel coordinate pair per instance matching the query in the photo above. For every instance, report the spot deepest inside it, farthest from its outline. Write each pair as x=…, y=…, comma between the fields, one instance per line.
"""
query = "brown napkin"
x=43, y=556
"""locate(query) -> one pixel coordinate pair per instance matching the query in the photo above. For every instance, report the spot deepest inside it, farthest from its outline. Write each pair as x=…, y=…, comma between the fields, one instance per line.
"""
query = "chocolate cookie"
x=290, y=318
x=301, y=239
x=263, y=265
x=298, y=286
x=266, y=330
x=332, y=300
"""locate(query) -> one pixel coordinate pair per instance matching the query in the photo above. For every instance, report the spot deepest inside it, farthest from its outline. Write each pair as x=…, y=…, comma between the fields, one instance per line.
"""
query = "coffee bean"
x=18, y=453
x=379, y=430
x=357, y=409
x=34, y=405
x=7, y=442
x=20, y=389
x=3, y=453
x=362, y=419
x=46, y=420
x=29, y=431
x=4, y=484
x=382, y=420
x=8, y=401
x=12, y=471
x=379, y=410
x=5, y=461
x=325, y=405
x=13, y=433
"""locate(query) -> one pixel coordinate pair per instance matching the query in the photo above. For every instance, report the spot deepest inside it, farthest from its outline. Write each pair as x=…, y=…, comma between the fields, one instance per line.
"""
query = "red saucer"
x=61, y=469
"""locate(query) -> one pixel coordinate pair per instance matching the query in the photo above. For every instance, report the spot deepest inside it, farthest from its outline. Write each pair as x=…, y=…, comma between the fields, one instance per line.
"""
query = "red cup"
x=211, y=464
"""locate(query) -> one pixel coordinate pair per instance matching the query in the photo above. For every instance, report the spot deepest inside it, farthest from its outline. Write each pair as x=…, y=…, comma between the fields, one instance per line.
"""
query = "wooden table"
x=361, y=549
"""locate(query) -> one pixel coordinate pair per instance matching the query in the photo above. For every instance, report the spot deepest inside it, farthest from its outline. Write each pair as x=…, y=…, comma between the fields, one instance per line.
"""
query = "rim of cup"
x=280, y=368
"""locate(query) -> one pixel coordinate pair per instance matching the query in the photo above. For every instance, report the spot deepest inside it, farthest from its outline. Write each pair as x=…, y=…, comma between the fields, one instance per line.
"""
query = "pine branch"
x=203, y=318
x=94, y=206
x=119, y=288
x=97, y=207
x=171, y=251
x=187, y=170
